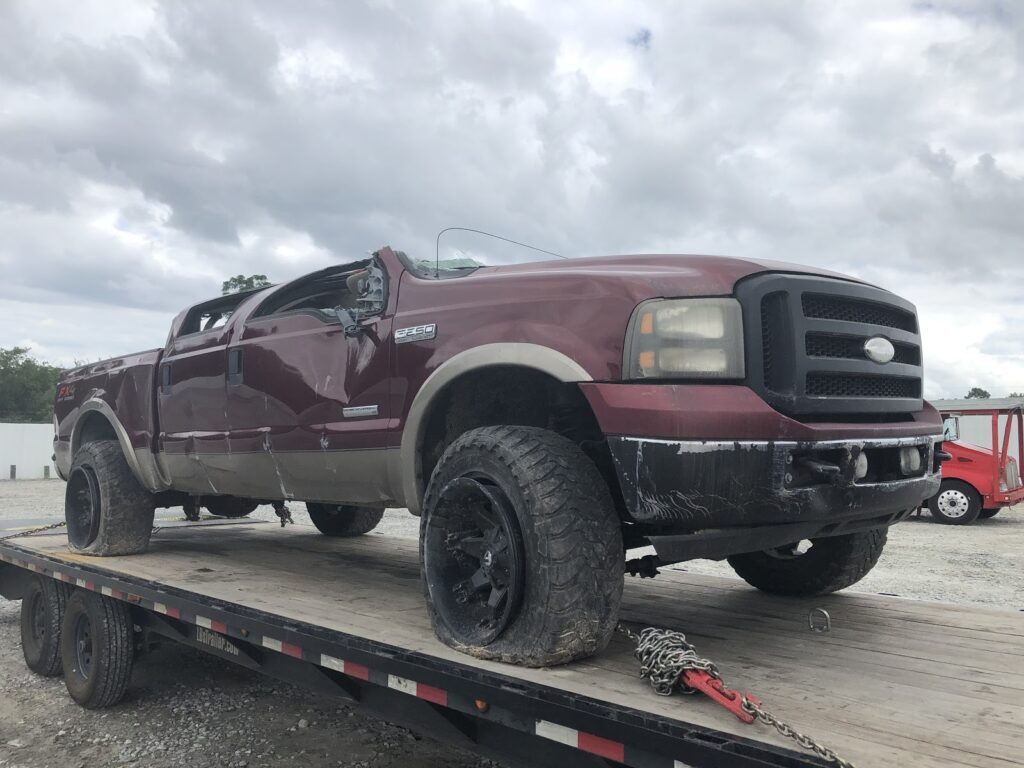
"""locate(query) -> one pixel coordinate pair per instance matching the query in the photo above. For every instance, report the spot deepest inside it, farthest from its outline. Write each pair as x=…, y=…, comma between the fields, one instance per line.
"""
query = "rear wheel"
x=97, y=649
x=521, y=548
x=344, y=519
x=812, y=567
x=956, y=503
x=42, y=614
x=107, y=510
x=985, y=514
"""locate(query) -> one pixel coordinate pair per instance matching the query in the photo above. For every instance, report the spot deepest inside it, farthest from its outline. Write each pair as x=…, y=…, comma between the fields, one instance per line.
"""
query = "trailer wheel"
x=108, y=512
x=985, y=514
x=42, y=614
x=520, y=548
x=828, y=565
x=956, y=503
x=344, y=519
x=231, y=507
x=97, y=649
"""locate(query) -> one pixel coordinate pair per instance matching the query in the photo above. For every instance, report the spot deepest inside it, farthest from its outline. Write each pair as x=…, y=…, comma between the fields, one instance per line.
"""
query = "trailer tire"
x=527, y=510
x=985, y=514
x=344, y=519
x=831, y=564
x=107, y=510
x=231, y=507
x=956, y=503
x=42, y=615
x=97, y=649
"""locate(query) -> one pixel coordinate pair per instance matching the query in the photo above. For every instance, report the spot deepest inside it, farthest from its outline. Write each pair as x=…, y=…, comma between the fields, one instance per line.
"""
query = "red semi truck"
x=978, y=482
x=541, y=418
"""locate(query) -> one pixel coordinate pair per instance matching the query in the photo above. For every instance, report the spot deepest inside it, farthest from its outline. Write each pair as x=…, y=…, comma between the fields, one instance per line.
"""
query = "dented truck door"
x=308, y=378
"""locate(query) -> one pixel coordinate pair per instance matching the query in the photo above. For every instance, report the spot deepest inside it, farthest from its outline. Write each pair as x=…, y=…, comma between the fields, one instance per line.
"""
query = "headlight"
x=685, y=338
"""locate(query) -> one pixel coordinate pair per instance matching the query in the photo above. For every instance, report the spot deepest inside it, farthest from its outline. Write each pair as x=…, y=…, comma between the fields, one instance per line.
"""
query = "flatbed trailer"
x=893, y=683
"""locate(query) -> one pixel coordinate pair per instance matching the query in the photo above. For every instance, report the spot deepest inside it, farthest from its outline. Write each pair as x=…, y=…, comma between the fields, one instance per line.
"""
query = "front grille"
x=842, y=385
x=805, y=347
x=852, y=348
x=825, y=307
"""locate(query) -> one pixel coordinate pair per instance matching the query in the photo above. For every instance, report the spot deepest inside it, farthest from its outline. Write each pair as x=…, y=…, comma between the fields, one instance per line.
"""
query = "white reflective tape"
x=58, y=575
x=107, y=591
x=401, y=684
x=271, y=643
x=80, y=582
x=332, y=663
x=558, y=733
x=159, y=607
x=205, y=623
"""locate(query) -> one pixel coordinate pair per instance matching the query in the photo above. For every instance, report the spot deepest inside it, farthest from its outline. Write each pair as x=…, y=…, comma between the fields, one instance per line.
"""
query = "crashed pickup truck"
x=542, y=419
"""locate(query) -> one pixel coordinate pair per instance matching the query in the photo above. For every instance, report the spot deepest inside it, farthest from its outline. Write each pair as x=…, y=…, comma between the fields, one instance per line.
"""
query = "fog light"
x=860, y=466
x=910, y=460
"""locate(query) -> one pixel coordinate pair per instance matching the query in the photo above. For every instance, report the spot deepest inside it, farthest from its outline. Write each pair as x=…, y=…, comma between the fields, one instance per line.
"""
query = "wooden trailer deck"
x=894, y=683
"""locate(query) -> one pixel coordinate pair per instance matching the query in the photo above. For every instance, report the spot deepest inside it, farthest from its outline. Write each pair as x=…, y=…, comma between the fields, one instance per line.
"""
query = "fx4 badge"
x=66, y=392
x=416, y=333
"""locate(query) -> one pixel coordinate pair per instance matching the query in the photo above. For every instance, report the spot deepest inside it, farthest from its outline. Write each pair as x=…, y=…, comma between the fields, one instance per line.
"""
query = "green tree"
x=979, y=393
x=27, y=387
x=1016, y=394
x=242, y=283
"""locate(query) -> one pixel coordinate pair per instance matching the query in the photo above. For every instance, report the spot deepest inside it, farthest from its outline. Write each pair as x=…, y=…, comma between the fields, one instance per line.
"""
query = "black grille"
x=852, y=348
x=827, y=307
x=846, y=385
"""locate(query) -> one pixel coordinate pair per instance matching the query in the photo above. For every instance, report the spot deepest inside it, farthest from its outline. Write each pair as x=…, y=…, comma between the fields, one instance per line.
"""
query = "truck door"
x=308, y=389
x=191, y=397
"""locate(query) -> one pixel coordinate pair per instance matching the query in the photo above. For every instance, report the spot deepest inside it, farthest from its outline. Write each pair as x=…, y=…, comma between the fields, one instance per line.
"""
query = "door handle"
x=235, y=366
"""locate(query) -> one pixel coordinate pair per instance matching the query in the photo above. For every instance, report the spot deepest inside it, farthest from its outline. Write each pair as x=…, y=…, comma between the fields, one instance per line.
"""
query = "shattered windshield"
x=460, y=251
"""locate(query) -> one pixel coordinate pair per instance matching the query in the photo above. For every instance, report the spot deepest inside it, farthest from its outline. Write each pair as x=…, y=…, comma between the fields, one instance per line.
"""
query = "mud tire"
x=42, y=616
x=831, y=564
x=344, y=519
x=99, y=677
x=121, y=519
x=571, y=536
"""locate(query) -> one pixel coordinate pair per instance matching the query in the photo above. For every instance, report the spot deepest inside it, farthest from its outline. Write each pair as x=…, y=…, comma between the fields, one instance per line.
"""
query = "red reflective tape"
x=430, y=693
x=117, y=594
x=174, y=613
x=91, y=586
x=291, y=650
x=613, y=750
x=65, y=577
x=357, y=670
x=219, y=626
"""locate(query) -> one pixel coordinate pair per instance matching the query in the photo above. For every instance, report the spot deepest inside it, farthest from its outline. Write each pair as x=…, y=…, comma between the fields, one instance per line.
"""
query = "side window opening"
x=357, y=287
x=211, y=315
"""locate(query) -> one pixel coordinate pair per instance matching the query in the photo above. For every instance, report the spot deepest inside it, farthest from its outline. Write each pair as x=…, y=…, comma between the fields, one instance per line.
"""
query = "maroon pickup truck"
x=542, y=419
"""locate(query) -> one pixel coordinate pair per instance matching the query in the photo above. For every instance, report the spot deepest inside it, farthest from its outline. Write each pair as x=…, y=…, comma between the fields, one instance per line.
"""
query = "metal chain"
x=665, y=654
x=30, y=531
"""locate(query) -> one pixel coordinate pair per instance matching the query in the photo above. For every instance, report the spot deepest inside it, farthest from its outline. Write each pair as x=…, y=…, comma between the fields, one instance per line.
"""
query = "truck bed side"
x=111, y=399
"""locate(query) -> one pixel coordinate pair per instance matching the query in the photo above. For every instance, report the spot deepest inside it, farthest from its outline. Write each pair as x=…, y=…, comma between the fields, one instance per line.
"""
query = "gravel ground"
x=186, y=707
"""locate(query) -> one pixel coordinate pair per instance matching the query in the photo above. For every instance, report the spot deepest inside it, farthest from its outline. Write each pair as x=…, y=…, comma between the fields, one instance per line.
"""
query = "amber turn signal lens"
x=646, y=359
x=481, y=705
x=647, y=323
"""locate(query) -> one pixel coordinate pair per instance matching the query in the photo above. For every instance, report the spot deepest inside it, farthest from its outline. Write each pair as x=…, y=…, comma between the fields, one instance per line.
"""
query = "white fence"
x=25, y=451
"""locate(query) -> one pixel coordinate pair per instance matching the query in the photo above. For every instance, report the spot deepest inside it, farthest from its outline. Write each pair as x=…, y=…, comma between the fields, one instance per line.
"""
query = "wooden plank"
x=895, y=683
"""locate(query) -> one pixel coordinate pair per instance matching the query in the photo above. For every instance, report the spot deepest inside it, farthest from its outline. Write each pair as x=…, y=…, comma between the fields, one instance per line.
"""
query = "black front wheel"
x=520, y=548
x=814, y=566
x=956, y=503
x=344, y=519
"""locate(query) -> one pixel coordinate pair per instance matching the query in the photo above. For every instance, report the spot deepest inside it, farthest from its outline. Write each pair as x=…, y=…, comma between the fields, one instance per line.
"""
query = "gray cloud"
x=146, y=155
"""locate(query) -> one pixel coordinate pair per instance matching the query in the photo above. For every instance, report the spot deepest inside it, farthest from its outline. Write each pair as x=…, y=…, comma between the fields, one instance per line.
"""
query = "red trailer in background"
x=978, y=482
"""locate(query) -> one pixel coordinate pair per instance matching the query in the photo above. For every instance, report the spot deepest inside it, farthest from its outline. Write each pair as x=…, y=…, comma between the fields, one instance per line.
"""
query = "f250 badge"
x=416, y=333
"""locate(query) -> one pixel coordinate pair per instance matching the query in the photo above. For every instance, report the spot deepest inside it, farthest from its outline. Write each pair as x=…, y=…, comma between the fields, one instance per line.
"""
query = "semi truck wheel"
x=956, y=503
x=229, y=506
x=520, y=548
x=985, y=514
x=97, y=648
x=42, y=614
x=344, y=519
x=107, y=510
x=828, y=565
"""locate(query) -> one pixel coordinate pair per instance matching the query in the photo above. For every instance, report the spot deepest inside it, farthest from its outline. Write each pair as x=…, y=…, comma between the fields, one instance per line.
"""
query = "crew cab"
x=542, y=418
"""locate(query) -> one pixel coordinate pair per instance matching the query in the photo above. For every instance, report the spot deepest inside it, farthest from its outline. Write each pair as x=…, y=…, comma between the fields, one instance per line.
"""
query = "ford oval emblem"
x=879, y=349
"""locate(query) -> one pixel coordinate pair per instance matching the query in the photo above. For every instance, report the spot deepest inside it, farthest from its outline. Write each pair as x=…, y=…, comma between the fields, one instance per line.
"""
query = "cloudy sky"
x=148, y=151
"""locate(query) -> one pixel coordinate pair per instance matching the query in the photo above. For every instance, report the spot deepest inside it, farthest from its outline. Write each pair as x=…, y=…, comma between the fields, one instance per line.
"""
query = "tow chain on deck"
x=671, y=663
x=30, y=531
